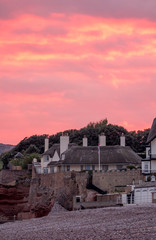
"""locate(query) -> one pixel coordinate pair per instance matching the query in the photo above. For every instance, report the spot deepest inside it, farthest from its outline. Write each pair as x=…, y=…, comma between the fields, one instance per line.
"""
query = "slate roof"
x=108, y=155
x=152, y=133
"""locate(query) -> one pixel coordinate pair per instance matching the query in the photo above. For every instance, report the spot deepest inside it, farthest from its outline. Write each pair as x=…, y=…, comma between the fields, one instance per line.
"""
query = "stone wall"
x=9, y=177
x=108, y=180
x=64, y=186
x=36, y=199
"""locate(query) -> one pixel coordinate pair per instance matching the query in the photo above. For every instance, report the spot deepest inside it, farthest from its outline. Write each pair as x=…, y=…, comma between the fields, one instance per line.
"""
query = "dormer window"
x=63, y=157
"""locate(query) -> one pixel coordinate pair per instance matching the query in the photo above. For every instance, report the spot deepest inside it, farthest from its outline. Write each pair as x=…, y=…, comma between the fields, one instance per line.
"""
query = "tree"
x=32, y=149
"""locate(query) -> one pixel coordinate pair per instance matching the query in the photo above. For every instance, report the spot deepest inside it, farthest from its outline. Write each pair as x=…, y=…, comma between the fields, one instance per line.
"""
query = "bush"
x=131, y=167
x=1, y=165
x=32, y=149
x=24, y=161
x=149, y=179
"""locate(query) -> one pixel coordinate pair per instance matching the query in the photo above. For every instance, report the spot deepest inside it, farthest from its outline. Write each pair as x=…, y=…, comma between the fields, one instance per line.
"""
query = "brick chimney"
x=64, y=141
x=46, y=144
x=85, y=141
x=102, y=139
x=122, y=140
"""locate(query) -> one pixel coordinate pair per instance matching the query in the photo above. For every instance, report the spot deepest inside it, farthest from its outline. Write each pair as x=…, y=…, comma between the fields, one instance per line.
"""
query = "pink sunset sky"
x=68, y=62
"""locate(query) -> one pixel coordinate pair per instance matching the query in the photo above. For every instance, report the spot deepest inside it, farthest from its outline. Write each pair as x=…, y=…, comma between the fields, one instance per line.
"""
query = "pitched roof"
x=108, y=155
x=51, y=151
x=56, y=147
x=55, y=163
x=18, y=155
x=152, y=133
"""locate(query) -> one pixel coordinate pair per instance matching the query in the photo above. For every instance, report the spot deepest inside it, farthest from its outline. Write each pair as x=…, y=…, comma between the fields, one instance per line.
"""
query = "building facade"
x=149, y=163
x=70, y=157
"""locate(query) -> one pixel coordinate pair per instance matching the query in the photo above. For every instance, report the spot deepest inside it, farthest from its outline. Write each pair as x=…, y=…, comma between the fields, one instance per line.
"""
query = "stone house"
x=67, y=157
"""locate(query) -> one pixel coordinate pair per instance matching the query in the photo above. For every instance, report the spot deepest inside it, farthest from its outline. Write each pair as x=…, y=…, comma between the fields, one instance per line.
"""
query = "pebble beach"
x=128, y=222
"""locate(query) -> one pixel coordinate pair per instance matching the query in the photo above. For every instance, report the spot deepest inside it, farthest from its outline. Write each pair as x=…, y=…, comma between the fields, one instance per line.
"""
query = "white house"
x=149, y=163
x=67, y=157
x=145, y=192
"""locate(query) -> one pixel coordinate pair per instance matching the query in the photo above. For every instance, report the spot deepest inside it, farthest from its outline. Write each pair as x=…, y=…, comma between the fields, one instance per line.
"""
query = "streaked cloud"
x=64, y=65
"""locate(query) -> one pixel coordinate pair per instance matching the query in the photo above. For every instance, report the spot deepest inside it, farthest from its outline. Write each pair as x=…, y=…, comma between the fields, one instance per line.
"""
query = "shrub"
x=24, y=161
x=131, y=167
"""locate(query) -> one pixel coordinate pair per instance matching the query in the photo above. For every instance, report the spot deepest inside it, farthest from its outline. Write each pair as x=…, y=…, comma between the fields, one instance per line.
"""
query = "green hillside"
x=35, y=143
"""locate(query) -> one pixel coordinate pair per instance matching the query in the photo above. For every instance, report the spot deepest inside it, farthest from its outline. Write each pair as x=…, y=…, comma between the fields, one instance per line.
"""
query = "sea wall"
x=64, y=186
x=107, y=181
x=25, y=197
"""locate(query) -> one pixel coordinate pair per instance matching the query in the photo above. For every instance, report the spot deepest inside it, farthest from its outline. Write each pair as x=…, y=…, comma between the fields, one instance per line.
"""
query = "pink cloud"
x=103, y=8
x=65, y=70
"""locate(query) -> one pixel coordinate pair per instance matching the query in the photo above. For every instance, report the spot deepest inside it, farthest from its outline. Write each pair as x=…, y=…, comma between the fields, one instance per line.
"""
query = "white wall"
x=64, y=141
x=122, y=141
x=112, y=167
x=144, y=168
x=153, y=165
x=44, y=162
x=153, y=147
x=147, y=152
x=85, y=142
x=143, y=195
x=38, y=169
x=55, y=157
x=75, y=168
x=46, y=144
x=124, y=198
x=102, y=140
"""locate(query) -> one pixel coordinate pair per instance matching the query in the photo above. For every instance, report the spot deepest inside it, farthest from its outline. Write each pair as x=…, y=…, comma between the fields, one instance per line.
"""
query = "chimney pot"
x=46, y=144
x=102, y=139
x=64, y=142
x=85, y=141
x=122, y=140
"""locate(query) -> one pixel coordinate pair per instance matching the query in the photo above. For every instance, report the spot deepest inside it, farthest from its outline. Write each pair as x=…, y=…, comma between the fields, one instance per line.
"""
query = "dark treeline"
x=135, y=139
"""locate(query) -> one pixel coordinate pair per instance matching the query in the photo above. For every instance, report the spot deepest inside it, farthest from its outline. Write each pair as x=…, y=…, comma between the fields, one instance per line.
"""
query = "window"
x=81, y=167
x=78, y=199
x=154, y=195
x=68, y=168
x=51, y=169
x=87, y=167
x=46, y=158
x=105, y=168
x=93, y=167
x=146, y=168
x=45, y=170
x=63, y=156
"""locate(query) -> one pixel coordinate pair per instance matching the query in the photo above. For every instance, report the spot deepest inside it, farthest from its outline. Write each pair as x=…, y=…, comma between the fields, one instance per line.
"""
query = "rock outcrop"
x=22, y=199
x=13, y=200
